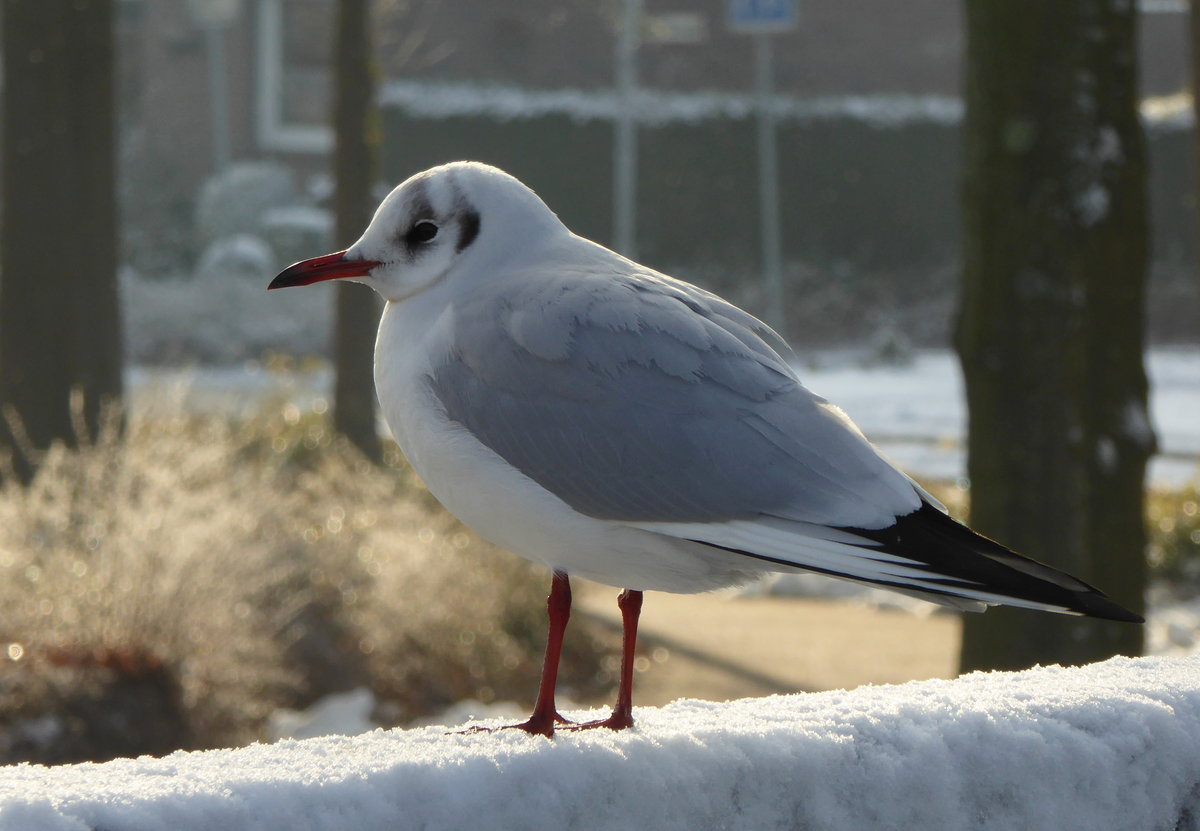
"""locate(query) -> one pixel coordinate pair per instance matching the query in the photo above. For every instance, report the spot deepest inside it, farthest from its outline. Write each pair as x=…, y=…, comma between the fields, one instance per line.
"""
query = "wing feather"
x=635, y=397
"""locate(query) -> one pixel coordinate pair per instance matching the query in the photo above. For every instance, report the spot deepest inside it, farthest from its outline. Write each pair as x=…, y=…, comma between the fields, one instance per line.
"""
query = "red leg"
x=630, y=604
x=558, y=606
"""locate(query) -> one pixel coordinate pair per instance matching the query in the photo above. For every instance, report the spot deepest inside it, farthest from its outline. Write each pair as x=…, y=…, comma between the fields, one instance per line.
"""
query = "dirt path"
x=717, y=647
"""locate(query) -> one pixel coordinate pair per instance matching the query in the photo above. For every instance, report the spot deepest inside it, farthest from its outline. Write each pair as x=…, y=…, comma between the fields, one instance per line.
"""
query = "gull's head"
x=432, y=225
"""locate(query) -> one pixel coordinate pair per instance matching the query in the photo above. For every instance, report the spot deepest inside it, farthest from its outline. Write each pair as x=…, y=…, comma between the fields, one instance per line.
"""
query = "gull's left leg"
x=545, y=714
x=630, y=604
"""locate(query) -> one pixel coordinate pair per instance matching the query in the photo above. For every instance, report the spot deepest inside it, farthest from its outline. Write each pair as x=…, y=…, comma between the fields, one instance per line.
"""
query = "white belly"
x=498, y=502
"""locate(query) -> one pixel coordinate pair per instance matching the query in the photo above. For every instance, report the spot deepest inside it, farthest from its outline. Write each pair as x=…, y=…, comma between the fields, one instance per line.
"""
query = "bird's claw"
x=535, y=725
x=617, y=721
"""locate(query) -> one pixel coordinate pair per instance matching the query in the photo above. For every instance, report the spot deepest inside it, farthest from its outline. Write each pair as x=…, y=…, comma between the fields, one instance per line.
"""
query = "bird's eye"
x=423, y=231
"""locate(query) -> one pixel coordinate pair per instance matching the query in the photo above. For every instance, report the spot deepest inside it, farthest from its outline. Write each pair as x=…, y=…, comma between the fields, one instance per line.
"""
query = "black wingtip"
x=1098, y=605
x=954, y=550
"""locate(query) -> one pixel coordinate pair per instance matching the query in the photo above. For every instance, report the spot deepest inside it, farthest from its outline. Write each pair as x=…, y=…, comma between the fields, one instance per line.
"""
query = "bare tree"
x=1050, y=331
x=59, y=313
x=356, y=162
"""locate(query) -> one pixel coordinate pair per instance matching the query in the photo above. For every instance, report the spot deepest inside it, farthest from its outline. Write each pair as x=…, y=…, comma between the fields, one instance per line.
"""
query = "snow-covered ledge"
x=1110, y=746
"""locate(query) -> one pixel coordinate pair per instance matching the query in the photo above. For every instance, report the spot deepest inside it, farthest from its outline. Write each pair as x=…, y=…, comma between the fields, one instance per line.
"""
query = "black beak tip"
x=328, y=267
x=283, y=280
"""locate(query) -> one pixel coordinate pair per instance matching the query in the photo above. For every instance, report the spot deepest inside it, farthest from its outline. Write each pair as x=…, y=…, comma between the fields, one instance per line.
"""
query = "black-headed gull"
x=614, y=423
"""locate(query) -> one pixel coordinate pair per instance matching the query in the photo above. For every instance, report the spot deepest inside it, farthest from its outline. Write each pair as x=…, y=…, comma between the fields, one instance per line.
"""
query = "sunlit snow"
x=1114, y=746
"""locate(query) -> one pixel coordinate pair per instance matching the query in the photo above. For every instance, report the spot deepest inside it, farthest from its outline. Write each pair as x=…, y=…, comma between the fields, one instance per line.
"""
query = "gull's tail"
x=924, y=553
x=966, y=558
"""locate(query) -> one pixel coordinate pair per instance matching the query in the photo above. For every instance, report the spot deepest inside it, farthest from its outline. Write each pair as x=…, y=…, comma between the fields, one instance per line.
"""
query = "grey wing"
x=640, y=398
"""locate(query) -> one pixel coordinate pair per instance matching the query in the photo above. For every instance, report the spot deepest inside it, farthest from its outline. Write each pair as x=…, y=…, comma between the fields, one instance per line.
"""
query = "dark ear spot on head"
x=468, y=229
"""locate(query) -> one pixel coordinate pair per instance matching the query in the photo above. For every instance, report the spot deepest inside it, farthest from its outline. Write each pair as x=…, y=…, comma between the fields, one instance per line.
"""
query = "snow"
x=233, y=201
x=1106, y=454
x=339, y=714
x=1093, y=163
x=244, y=255
x=296, y=231
x=654, y=107
x=1170, y=111
x=221, y=317
x=916, y=412
x=1113, y=745
x=1092, y=204
x=306, y=218
x=1173, y=628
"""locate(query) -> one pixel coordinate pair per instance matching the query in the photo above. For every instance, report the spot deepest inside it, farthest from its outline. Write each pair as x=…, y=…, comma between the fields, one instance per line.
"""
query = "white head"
x=429, y=226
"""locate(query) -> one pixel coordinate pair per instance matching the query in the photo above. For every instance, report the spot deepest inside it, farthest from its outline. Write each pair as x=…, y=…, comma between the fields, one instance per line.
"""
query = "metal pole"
x=768, y=184
x=625, y=137
x=214, y=35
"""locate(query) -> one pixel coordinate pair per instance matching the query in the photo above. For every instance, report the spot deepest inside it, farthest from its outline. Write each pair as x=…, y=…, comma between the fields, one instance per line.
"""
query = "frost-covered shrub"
x=1174, y=549
x=297, y=232
x=123, y=557
x=175, y=587
x=234, y=200
x=221, y=318
x=242, y=254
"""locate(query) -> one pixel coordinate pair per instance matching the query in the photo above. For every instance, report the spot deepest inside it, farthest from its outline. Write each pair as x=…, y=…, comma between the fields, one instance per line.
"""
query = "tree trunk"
x=59, y=313
x=355, y=161
x=1050, y=329
x=1194, y=21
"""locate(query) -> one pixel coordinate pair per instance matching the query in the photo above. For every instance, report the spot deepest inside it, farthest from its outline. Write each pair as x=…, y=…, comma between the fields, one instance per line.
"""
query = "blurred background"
x=869, y=111
x=208, y=539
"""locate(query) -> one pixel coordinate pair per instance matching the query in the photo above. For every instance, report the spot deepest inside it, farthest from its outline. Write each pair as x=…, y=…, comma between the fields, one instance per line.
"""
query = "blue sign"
x=762, y=15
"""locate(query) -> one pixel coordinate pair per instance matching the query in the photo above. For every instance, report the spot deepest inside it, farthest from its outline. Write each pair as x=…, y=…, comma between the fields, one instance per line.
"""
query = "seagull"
x=616, y=424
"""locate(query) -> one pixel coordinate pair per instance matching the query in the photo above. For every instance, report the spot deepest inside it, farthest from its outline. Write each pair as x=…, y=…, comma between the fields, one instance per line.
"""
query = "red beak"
x=330, y=267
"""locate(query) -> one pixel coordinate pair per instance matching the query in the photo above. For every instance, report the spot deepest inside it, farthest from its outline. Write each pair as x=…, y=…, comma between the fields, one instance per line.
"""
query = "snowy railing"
x=1110, y=746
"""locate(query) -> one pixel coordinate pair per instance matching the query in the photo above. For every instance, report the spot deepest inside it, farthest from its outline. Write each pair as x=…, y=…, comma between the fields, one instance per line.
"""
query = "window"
x=295, y=75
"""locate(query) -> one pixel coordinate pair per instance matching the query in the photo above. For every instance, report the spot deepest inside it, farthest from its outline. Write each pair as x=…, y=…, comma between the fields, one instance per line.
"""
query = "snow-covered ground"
x=916, y=411
x=1111, y=746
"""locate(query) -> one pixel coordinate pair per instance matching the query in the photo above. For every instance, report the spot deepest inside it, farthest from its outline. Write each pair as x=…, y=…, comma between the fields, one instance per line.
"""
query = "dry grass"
x=1174, y=550
x=174, y=587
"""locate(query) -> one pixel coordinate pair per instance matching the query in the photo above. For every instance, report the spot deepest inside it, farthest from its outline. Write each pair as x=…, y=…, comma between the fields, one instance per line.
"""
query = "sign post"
x=625, y=136
x=763, y=18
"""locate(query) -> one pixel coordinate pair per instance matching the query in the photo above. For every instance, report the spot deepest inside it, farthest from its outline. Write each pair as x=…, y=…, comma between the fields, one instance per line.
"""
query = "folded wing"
x=639, y=399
